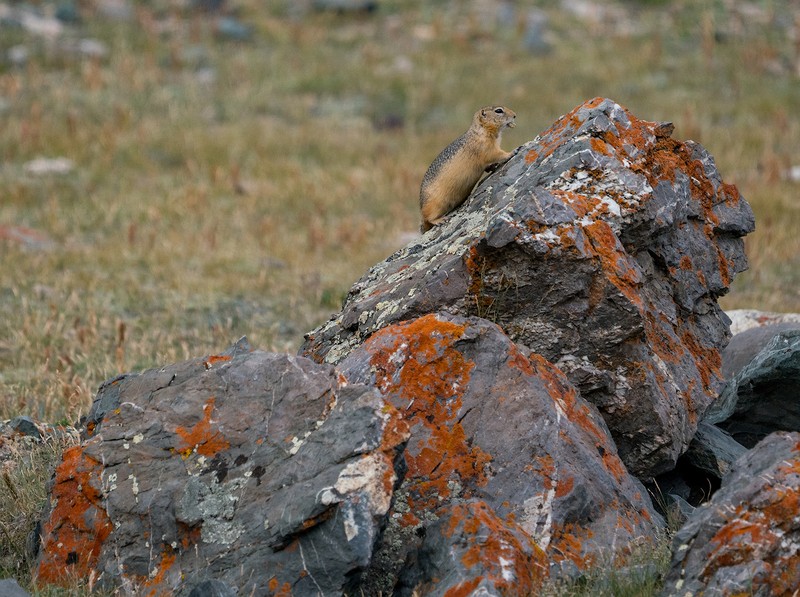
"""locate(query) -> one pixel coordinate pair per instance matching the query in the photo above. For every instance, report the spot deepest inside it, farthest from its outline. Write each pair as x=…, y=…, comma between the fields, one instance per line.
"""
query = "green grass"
x=224, y=189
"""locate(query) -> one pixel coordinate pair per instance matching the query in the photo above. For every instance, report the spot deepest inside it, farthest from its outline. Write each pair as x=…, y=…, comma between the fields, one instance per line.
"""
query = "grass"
x=22, y=483
x=223, y=189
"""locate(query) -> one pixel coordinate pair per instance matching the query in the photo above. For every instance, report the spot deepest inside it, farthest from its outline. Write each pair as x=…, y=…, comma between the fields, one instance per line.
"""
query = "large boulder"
x=246, y=472
x=602, y=245
x=490, y=422
x=746, y=540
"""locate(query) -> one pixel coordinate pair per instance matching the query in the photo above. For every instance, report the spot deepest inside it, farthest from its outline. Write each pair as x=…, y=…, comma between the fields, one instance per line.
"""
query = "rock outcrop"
x=746, y=540
x=471, y=421
x=603, y=246
x=265, y=473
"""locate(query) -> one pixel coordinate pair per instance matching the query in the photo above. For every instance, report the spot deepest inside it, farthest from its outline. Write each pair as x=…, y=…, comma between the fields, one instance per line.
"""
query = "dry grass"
x=25, y=466
x=223, y=189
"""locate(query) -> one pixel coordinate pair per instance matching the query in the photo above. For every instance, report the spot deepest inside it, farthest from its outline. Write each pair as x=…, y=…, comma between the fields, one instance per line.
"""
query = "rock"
x=746, y=540
x=212, y=588
x=698, y=472
x=713, y=450
x=28, y=238
x=763, y=397
x=46, y=166
x=249, y=471
x=10, y=588
x=536, y=36
x=346, y=6
x=233, y=29
x=602, y=245
x=117, y=10
x=490, y=423
x=26, y=426
x=744, y=346
x=745, y=319
x=470, y=550
x=18, y=55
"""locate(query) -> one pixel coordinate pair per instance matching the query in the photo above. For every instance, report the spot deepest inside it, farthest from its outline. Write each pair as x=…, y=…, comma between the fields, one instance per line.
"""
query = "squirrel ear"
x=483, y=112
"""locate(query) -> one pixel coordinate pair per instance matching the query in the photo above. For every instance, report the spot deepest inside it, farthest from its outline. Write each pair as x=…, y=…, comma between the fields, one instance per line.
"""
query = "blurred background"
x=179, y=173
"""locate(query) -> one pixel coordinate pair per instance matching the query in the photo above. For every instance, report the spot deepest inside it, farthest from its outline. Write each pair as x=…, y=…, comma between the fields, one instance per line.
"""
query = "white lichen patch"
x=367, y=477
x=215, y=506
x=537, y=516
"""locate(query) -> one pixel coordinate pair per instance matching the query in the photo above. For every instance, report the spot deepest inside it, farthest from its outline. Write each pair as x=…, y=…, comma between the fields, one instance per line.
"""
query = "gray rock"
x=25, y=426
x=344, y=6
x=745, y=319
x=492, y=424
x=602, y=245
x=713, y=450
x=746, y=540
x=212, y=588
x=470, y=548
x=233, y=29
x=535, y=38
x=263, y=472
x=9, y=587
x=744, y=346
x=763, y=397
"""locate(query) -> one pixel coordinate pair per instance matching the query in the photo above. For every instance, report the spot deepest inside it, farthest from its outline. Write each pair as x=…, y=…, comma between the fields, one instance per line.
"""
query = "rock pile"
x=473, y=420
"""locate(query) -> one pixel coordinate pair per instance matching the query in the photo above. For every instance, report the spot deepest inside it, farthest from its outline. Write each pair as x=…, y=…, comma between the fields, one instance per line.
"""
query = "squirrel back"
x=452, y=175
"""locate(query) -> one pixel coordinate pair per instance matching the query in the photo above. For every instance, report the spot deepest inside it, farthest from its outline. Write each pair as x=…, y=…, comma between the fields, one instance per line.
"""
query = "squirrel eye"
x=499, y=110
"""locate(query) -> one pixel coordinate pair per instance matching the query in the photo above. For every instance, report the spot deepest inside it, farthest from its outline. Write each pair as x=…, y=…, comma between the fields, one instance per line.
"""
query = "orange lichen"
x=74, y=533
x=567, y=542
x=464, y=589
x=564, y=486
x=279, y=590
x=707, y=359
x=618, y=267
x=494, y=549
x=517, y=360
x=600, y=146
x=158, y=583
x=424, y=376
x=201, y=437
x=213, y=360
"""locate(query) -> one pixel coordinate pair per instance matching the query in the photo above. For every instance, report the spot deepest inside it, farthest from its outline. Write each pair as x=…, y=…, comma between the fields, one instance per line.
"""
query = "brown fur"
x=453, y=174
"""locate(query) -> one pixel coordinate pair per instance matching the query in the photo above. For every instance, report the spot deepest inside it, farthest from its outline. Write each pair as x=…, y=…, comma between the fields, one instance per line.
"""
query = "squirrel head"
x=495, y=118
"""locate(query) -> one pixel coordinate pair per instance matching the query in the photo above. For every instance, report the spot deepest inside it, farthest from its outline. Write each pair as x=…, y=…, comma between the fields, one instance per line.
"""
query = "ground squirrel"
x=454, y=172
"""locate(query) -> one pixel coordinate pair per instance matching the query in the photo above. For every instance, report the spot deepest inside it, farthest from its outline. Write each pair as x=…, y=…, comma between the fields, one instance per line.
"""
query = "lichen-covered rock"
x=469, y=550
x=763, y=396
x=746, y=540
x=603, y=246
x=266, y=474
x=490, y=422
